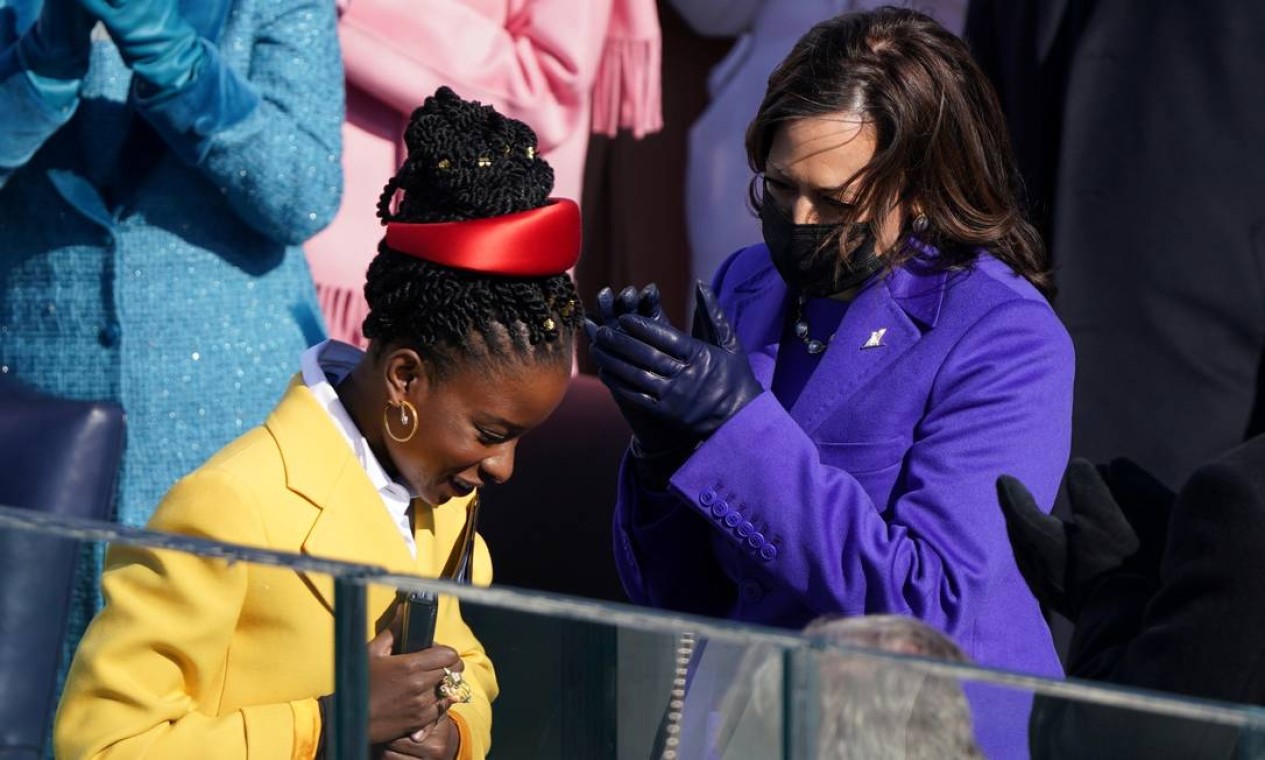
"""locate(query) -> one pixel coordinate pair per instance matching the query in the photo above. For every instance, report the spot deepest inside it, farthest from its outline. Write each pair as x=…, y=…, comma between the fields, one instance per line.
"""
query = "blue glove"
x=710, y=324
x=58, y=43
x=651, y=437
x=658, y=448
x=183, y=88
x=646, y=302
x=153, y=38
x=693, y=383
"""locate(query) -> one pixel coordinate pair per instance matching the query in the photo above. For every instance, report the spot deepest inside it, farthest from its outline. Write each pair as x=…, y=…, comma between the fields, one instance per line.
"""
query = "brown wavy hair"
x=942, y=145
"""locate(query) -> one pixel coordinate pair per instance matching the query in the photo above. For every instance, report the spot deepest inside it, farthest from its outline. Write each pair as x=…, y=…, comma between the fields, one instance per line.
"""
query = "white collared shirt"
x=324, y=366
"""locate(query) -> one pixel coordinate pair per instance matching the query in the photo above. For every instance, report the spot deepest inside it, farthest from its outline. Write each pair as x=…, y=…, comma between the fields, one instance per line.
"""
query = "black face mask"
x=807, y=255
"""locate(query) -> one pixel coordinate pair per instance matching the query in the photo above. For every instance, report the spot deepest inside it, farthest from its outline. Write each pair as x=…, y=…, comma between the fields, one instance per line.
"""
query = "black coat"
x=1195, y=628
x=1140, y=129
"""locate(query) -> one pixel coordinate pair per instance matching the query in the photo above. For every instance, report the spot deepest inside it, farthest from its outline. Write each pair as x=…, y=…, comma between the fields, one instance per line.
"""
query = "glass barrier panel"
x=592, y=679
x=204, y=650
x=597, y=680
x=881, y=704
x=210, y=644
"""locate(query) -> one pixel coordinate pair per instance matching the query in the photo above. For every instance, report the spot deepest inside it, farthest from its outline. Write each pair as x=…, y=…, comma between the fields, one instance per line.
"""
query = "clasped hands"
x=408, y=717
x=674, y=389
x=153, y=36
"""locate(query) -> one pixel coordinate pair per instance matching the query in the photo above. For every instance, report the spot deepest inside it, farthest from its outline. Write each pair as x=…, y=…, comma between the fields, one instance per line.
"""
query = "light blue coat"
x=181, y=293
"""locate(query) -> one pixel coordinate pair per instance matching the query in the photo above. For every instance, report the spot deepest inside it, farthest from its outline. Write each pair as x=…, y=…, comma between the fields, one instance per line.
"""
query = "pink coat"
x=565, y=67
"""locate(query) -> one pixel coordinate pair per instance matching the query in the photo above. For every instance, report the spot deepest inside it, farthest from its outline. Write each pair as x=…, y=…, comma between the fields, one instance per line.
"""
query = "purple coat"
x=875, y=492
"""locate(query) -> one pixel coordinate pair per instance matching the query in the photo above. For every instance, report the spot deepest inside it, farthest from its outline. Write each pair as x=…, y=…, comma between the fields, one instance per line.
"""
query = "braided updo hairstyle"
x=466, y=161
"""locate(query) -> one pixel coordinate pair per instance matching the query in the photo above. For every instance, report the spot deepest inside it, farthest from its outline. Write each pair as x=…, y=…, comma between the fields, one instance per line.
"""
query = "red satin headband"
x=536, y=243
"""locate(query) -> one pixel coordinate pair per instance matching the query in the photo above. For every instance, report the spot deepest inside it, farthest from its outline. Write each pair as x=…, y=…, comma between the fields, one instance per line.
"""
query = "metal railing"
x=348, y=732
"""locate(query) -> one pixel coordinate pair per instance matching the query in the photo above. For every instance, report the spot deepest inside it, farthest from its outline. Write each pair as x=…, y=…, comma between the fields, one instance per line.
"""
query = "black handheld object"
x=417, y=631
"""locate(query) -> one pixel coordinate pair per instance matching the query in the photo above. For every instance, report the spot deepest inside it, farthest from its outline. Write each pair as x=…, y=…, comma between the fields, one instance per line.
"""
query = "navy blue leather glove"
x=58, y=43
x=710, y=324
x=692, y=383
x=1118, y=524
x=651, y=437
x=183, y=88
x=646, y=302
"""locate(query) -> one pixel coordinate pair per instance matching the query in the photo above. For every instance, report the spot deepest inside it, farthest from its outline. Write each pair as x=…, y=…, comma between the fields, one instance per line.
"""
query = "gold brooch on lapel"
x=876, y=339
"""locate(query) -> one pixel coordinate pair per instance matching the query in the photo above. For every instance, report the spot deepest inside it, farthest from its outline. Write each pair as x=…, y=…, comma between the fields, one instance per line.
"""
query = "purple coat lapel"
x=901, y=305
x=758, y=312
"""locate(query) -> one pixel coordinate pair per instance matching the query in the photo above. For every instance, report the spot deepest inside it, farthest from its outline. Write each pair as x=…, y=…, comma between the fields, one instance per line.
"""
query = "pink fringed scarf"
x=626, y=92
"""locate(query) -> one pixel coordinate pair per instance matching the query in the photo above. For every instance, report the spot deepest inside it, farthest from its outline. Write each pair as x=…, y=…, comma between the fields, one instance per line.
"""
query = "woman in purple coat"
x=828, y=436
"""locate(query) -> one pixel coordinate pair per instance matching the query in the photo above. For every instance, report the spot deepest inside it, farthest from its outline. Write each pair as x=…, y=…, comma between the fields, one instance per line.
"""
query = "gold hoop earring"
x=408, y=418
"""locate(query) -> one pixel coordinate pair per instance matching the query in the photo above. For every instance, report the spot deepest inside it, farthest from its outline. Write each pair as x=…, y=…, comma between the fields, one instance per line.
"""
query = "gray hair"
x=875, y=708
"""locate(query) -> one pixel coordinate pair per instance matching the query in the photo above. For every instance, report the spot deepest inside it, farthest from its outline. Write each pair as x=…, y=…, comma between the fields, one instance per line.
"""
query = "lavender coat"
x=875, y=492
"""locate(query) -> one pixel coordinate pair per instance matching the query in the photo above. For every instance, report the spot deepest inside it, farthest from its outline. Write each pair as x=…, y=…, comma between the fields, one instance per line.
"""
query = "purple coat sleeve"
x=931, y=546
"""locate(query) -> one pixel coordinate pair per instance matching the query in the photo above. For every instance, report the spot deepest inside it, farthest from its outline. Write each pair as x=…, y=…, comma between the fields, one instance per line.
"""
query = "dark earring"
x=921, y=223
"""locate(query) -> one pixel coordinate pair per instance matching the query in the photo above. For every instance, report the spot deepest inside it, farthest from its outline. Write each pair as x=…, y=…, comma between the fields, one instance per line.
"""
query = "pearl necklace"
x=676, y=705
x=801, y=329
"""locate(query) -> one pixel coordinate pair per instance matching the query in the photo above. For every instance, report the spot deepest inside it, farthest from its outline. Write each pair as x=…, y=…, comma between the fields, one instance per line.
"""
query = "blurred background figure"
x=160, y=163
x=634, y=190
x=718, y=211
x=567, y=68
x=882, y=709
x=869, y=708
x=1138, y=126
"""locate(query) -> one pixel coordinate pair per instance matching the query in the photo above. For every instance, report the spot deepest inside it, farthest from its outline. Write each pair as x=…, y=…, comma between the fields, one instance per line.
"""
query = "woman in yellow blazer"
x=370, y=457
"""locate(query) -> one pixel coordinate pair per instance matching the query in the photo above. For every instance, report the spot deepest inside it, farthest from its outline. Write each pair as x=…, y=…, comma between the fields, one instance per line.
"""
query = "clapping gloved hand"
x=653, y=438
x=647, y=302
x=674, y=389
x=58, y=44
x=182, y=87
x=1119, y=519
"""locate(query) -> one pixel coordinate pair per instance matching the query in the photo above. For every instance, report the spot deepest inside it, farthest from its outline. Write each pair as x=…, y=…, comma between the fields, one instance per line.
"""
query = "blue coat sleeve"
x=32, y=107
x=277, y=159
x=1000, y=403
x=664, y=553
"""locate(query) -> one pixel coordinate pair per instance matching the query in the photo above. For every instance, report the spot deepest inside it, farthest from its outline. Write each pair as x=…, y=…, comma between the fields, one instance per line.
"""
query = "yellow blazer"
x=194, y=657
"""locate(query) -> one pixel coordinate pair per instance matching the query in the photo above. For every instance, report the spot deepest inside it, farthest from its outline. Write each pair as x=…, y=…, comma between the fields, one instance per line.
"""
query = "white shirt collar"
x=324, y=366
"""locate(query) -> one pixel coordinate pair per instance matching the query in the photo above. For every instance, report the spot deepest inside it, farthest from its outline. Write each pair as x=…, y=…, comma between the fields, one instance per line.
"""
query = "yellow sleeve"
x=473, y=719
x=148, y=675
x=307, y=729
x=465, y=749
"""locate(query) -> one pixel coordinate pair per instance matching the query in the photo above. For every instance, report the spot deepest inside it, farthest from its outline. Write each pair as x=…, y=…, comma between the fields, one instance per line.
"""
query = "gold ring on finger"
x=454, y=687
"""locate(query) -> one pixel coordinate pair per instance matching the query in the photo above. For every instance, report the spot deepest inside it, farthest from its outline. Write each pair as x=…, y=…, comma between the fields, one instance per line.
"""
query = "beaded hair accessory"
x=539, y=242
